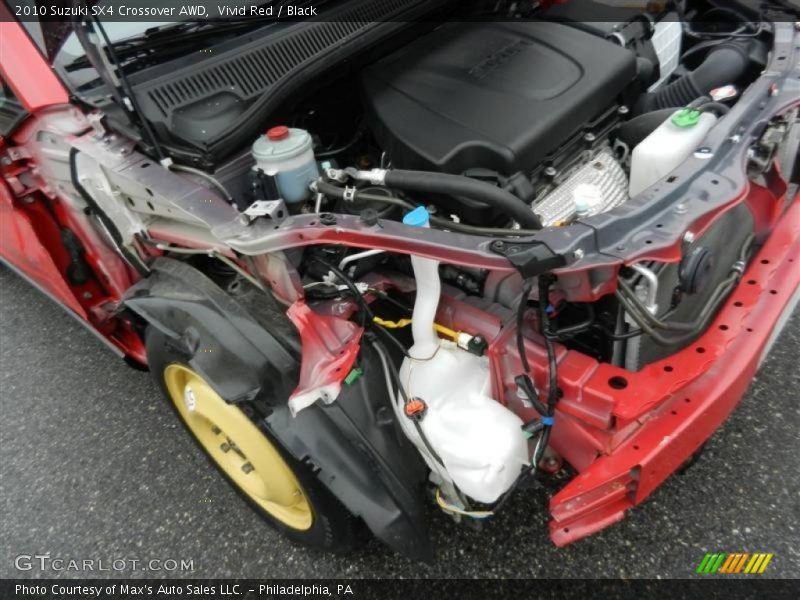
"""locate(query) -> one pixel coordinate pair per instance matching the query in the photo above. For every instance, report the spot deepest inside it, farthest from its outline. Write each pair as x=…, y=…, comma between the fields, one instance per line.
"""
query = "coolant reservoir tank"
x=286, y=153
x=667, y=147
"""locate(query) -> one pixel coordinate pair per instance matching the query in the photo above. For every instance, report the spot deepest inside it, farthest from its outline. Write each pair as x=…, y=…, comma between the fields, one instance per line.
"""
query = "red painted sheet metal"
x=20, y=246
x=330, y=346
x=25, y=70
x=709, y=378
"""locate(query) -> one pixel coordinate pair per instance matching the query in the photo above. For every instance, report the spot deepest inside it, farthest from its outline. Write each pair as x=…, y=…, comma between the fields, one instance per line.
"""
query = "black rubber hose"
x=457, y=185
x=724, y=65
x=634, y=132
x=337, y=192
x=722, y=290
x=716, y=107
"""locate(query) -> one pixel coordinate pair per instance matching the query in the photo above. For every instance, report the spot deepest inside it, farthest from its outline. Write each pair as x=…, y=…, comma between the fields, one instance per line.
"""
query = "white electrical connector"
x=463, y=341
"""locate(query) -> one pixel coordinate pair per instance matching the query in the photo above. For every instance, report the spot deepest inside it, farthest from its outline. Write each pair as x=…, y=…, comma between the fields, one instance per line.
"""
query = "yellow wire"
x=392, y=324
x=477, y=514
x=445, y=331
x=406, y=322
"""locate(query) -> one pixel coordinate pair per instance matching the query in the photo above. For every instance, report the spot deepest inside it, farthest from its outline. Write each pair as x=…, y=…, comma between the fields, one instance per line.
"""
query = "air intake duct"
x=724, y=65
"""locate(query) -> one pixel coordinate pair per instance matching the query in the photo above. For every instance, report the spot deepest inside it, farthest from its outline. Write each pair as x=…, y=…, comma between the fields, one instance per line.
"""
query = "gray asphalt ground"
x=94, y=465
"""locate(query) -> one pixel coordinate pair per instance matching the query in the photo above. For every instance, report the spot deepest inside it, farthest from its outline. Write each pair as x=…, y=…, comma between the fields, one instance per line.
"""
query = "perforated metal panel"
x=604, y=172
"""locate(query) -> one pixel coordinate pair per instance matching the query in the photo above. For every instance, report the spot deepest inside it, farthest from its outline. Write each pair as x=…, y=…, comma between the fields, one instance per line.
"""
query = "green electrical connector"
x=353, y=376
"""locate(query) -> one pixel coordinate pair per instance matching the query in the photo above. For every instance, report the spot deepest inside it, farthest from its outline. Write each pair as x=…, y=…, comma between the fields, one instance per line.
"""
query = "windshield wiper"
x=169, y=40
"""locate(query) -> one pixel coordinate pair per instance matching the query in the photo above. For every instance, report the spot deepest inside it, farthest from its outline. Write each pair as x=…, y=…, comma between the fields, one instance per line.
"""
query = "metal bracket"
x=530, y=259
x=273, y=209
x=95, y=119
x=14, y=154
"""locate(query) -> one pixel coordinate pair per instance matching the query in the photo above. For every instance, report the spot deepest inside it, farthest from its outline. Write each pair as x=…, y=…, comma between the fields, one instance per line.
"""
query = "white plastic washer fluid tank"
x=667, y=147
x=480, y=442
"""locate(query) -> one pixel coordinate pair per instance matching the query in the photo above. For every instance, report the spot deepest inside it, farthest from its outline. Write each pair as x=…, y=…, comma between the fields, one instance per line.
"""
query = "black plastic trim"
x=248, y=350
x=260, y=74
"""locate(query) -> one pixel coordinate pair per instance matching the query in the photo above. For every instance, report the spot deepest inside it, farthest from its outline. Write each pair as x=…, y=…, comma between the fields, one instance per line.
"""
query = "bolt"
x=590, y=137
x=620, y=248
x=87, y=295
x=623, y=110
x=498, y=245
x=735, y=139
x=680, y=208
x=247, y=468
x=327, y=219
x=225, y=447
x=550, y=171
x=578, y=254
x=689, y=237
x=774, y=90
x=28, y=199
x=704, y=153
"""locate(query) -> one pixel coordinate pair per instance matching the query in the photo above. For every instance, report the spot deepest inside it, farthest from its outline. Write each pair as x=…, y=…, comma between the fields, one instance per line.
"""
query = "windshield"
x=141, y=43
x=71, y=51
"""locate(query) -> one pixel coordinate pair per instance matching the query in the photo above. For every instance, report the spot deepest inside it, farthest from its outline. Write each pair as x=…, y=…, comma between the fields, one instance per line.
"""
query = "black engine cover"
x=499, y=96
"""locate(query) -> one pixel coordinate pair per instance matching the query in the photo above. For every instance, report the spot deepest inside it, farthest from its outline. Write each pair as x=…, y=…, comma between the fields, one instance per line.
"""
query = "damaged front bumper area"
x=667, y=411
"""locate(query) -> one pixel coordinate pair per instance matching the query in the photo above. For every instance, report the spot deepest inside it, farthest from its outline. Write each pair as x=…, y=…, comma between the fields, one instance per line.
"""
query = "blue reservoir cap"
x=418, y=217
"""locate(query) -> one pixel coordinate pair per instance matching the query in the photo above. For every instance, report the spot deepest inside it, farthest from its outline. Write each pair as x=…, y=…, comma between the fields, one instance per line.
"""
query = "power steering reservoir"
x=287, y=155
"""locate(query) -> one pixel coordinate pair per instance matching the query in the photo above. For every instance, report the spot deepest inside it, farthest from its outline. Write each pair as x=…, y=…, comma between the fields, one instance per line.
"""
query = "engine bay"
x=432, y=193
x=575, y=104
x=501, y=129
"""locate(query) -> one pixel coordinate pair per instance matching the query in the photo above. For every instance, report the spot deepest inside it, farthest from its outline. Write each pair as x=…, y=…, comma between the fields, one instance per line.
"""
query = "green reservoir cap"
x=688, y=117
